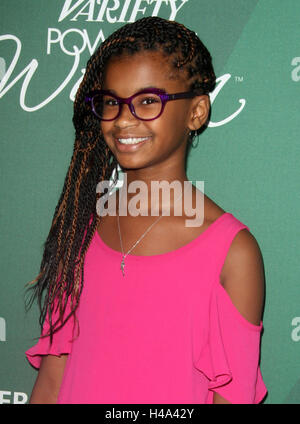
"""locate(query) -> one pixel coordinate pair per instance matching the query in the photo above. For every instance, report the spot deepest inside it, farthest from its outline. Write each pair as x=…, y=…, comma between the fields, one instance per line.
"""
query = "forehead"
x=127, y=74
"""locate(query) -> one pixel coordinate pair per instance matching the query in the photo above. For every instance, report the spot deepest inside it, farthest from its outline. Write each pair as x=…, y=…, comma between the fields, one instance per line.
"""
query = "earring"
x=194, y=145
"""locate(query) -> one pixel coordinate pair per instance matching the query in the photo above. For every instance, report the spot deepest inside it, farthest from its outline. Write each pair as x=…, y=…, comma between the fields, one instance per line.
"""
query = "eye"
x=110, y=102
x=149, y=100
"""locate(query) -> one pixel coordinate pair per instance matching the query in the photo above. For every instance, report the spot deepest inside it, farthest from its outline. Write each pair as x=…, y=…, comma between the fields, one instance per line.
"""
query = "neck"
x=152, y=192
x=151, y=174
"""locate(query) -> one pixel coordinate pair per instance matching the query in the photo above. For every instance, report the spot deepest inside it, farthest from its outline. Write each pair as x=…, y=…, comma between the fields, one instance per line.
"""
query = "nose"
x=125, y=118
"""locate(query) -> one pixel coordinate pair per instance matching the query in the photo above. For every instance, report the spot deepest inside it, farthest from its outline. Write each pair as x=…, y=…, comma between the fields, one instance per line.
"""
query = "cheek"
x=178, y=110
x=104, y=127
x=106, y=130
x=175, y=120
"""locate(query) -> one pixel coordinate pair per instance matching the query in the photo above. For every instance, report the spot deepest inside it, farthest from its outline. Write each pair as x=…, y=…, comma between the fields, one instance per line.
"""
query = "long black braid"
x=75, y=220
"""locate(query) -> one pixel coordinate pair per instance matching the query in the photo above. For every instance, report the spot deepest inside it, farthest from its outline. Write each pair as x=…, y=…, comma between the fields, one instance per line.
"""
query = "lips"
x=131, y=140
x=130, y=143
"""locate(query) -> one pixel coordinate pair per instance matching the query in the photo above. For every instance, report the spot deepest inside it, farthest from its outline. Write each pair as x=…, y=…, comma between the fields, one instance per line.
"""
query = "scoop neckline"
x=173, y=252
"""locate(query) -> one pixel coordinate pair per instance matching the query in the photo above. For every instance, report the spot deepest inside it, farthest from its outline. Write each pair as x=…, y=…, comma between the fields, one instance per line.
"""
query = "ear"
x=199, y=112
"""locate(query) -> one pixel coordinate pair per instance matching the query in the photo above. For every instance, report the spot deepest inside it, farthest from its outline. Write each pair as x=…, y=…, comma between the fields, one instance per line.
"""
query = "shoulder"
x=242, y=276
x=244, y=251
x=212, y=211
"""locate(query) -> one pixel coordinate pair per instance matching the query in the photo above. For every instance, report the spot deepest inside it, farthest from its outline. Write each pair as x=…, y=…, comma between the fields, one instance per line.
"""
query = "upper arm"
x=49, y=379
x=242, y=276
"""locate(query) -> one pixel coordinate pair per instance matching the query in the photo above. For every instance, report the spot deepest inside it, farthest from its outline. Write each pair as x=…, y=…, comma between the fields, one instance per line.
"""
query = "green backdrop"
x=248, y=157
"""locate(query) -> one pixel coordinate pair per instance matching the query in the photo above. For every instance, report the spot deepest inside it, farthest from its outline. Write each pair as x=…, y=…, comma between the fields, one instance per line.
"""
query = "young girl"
x=143, y=308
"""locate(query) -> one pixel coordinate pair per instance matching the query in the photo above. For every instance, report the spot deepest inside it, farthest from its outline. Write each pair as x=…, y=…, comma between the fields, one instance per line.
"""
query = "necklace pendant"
x=122, y=266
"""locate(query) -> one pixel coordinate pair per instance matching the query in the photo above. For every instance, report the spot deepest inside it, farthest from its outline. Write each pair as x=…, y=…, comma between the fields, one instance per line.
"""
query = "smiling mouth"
x=132, y=140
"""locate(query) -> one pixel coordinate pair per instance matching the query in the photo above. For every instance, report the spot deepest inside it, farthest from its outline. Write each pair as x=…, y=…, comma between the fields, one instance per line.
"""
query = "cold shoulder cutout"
x=166, y=332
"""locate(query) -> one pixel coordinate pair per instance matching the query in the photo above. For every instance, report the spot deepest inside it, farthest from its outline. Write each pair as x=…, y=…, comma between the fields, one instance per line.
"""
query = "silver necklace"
x=142, y=236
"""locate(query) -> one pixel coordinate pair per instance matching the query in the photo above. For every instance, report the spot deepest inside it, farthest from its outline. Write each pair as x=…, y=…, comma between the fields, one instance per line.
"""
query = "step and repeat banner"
x=248, y=157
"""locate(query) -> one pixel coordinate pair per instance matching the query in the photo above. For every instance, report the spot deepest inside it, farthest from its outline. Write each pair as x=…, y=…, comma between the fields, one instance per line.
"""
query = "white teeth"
x=131, y=140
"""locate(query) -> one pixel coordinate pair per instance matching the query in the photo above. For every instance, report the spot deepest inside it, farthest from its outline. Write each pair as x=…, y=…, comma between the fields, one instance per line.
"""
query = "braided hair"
x=61, y=276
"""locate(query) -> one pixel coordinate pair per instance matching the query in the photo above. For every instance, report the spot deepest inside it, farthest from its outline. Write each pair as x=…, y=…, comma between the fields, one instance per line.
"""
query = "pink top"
x=165, y=333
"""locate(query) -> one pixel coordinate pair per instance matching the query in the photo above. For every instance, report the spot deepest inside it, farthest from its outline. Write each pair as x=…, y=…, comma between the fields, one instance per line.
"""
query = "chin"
x=130, y=164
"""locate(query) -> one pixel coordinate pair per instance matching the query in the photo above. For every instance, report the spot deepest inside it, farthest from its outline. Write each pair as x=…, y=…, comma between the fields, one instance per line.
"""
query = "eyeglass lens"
x=146, y=106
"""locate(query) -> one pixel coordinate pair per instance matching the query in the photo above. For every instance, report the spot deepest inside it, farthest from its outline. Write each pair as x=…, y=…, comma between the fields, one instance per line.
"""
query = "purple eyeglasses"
x=146, y=105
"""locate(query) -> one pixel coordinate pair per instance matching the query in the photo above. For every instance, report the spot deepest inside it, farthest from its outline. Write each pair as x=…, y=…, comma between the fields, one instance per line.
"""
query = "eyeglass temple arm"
x=187, y=95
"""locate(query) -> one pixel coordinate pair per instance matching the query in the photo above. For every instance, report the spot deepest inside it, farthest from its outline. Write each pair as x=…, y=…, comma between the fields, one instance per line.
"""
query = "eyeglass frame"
x=164, y=97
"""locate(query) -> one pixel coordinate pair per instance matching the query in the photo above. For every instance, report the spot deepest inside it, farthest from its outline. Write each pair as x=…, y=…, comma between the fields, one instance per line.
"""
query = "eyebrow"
x=139, y=89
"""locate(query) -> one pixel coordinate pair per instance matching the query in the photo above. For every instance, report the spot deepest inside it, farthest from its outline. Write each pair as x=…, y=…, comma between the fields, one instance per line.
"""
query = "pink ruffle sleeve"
x=230, y=358
x=61, y=342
